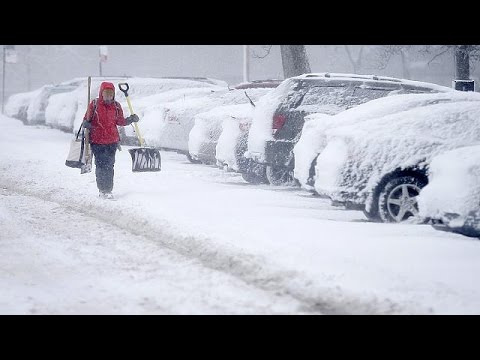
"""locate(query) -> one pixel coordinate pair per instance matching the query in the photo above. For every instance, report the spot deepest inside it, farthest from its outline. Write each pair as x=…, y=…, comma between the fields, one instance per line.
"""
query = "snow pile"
x=37, y=105
x=61, y=109
x=74, y=105
x=454, y=184
x=313, y=138
x=375, y=79
x=234, y=130
x=311, y=143
x=155, y=102
x=177, y=118
x=401, y=140
x=331, y=159
x=141, y=87
x=19, y=102
x=208, y=125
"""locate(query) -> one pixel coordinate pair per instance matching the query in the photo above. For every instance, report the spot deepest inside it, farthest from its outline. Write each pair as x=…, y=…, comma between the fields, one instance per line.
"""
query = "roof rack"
x=351, y=76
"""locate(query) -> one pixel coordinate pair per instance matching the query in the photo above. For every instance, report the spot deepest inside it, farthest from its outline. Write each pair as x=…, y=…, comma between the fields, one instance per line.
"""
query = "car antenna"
x=251, y=102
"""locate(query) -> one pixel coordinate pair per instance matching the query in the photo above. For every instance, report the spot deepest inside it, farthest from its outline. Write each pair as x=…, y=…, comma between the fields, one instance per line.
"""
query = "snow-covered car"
x=380, y=165
x=313, y=138
x=38, y=105
x=66, y=111
x=232, y=142
x=204, y=136
x=452, y=196
x=145, y=105
x=17, y=104
x=279, y=118
x=168, y=126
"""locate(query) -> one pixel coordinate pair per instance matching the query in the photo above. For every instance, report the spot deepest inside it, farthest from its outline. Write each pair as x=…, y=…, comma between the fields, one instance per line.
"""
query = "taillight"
x=278, y=122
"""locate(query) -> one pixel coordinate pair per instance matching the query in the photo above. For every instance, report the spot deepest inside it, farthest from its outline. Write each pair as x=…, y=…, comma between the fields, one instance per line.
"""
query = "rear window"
x=319, y=96
x=362, y=95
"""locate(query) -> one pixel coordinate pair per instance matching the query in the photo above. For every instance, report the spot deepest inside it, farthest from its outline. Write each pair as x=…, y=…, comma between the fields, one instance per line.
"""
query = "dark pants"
x=104, y=161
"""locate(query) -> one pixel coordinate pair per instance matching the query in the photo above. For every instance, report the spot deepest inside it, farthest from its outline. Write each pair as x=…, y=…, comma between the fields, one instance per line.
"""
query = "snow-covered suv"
x=279, y=116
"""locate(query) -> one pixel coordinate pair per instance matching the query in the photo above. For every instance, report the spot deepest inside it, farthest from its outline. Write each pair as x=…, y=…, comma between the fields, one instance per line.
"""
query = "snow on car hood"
x=454, y=184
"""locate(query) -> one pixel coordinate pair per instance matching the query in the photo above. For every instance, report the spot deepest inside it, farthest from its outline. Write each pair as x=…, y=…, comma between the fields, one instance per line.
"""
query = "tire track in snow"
x=254, y=270
x=55, y=260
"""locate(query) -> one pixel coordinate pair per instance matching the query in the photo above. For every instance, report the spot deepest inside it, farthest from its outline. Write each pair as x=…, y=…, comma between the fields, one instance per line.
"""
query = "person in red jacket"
x=103, y=116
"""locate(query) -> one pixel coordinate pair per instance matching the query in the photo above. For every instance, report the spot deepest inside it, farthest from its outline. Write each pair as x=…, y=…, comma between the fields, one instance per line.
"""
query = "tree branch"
x=266, y=48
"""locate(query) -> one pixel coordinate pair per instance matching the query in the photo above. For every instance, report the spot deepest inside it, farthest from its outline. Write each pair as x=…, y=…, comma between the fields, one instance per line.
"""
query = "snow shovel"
x=143, y=158
x=87, y=167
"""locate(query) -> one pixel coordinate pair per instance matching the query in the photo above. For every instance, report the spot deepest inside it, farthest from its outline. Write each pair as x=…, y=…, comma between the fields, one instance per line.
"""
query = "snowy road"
x=194, y=239
x=80, y=265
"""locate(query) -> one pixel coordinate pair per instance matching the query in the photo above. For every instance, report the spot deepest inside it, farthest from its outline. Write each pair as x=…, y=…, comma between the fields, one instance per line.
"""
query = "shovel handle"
x=125, y=91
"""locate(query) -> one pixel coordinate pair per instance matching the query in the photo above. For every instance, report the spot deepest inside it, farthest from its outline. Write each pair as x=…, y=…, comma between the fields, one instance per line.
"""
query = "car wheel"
x=280, y=176
x=253, y=178
x=397, y=201
x=192, y=160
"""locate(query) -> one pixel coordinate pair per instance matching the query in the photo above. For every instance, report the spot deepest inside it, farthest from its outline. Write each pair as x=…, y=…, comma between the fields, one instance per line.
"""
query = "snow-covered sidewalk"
x=265, y=240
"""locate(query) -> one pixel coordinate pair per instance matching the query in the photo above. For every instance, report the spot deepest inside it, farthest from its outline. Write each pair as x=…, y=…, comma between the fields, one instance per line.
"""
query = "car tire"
x=192, y=160
x=396, y=201
x=253, y=178
x=279, y=176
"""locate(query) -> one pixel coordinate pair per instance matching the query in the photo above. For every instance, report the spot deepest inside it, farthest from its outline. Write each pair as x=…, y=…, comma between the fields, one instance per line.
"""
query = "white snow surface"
x=194, y=239
x=169, y=125
x=16, y=101
x=67, y=110
x=454, y=184
x=143, y=106
x=261, y=129
x=330, y=104
x=209, y=126
x=401, y=140
x=313, y=139
x=230, y=136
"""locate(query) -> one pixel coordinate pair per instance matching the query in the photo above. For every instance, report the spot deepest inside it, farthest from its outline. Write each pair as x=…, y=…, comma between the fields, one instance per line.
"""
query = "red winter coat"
x=105, y=119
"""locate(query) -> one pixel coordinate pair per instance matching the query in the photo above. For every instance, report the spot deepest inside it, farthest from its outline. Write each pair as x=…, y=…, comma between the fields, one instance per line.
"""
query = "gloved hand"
x=132, y=118
x=87, y=124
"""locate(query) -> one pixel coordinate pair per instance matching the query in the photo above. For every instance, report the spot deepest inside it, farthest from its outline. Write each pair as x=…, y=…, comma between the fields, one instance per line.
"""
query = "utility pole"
x=103, y=54
x=3, y=81
x=29, y=71
x=246, y=63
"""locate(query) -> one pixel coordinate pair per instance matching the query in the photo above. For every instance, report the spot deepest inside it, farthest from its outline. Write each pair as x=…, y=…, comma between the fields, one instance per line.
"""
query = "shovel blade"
x=145, y=159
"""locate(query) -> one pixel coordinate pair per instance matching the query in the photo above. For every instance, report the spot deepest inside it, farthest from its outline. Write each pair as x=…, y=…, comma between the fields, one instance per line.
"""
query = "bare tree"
x=385, y=53
x=266, y=49
x=294, y=60
x=463, y=55
x=356, y=63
